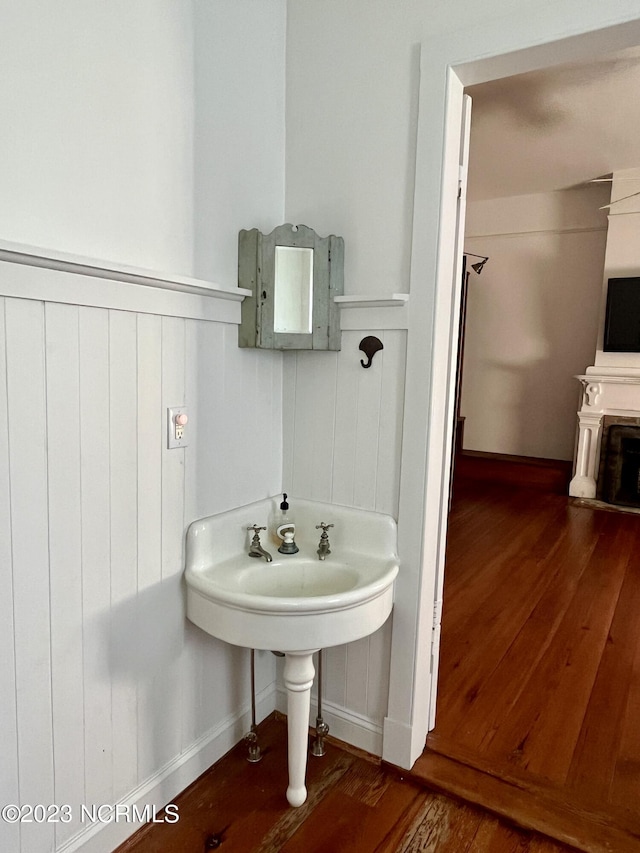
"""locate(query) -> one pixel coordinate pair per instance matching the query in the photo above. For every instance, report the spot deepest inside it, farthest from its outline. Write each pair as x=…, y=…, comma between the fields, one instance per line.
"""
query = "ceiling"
x=556, y=128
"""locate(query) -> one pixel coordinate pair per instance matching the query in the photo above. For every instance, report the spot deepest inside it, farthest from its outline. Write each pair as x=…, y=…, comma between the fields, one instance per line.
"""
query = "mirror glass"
x=293, y=300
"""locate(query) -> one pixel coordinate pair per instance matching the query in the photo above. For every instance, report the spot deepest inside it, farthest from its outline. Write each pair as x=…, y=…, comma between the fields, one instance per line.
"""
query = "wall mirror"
x=293, y=275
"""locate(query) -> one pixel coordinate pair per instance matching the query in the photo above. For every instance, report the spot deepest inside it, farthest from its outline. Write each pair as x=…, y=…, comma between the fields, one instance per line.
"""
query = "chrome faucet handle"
x=256, y=533
x=323, y=548
x=256, y=549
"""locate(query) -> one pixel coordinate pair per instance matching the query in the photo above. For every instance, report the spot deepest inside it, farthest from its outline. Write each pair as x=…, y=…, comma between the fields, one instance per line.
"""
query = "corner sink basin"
x=288, y=580
x=297, y=603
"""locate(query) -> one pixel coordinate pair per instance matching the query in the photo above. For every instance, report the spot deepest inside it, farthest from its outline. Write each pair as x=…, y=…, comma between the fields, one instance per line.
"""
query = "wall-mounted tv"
x=622, y=321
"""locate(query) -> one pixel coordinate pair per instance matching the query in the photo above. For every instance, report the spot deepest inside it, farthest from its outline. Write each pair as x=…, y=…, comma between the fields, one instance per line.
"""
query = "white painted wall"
x=532, y=319
x=96, y=153
x=107, y=691
x=352, y=104
x=239, y=128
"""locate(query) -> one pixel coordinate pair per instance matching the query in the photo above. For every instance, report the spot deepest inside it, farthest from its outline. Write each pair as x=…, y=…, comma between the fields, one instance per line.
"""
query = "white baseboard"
x=346, y=725
x=174, y=777
x=398, y=740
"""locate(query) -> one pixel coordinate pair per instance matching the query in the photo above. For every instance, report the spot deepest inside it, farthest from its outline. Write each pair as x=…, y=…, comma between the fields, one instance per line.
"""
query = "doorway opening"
x=534, y=695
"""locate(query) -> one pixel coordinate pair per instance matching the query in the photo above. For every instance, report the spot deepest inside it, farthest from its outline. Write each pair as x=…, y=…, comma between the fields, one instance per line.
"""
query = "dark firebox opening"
x=622, y=472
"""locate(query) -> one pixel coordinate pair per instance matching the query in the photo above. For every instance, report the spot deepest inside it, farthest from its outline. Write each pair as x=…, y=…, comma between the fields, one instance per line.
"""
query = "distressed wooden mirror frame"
x=256, y=272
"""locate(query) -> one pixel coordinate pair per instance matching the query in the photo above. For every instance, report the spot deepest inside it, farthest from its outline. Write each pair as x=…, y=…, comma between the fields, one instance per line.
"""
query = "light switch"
x=177, y=420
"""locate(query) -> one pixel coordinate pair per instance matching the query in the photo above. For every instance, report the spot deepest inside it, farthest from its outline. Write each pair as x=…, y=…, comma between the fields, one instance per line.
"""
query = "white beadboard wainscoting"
x=107, y=693
x=343, y=423
x=342, y=442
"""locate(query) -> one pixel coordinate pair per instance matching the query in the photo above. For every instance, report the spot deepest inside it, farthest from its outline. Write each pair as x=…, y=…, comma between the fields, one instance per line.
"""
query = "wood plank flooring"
x=355, y=805
x=538, y=713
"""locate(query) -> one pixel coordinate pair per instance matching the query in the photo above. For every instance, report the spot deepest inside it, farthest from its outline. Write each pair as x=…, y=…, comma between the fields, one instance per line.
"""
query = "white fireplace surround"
x=605, y=391
x=612, y=386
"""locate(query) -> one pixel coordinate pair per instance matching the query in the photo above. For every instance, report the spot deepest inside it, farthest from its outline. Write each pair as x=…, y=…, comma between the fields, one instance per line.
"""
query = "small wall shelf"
x=370, y=313
x=395, y=300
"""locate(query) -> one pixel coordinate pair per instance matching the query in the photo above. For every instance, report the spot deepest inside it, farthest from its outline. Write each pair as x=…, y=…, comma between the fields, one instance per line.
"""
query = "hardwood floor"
x=538, y=714
x=355, y=805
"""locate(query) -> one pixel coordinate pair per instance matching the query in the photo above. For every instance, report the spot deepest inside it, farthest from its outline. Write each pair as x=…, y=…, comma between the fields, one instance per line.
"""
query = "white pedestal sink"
x=297, y=603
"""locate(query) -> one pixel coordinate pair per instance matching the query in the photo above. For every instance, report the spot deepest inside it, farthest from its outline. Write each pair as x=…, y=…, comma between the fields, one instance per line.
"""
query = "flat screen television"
x=622, y=320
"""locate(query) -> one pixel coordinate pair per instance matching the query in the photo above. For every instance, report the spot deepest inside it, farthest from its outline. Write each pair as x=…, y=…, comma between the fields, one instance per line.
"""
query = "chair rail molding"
x=49, y=275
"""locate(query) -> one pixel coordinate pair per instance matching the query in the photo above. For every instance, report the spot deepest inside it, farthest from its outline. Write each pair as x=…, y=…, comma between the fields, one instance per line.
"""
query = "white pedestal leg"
x=298, y=678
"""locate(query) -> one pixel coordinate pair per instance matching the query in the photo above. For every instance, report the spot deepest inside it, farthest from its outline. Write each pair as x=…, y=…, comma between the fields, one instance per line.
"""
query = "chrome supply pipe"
x=255, y=753
x=322, y=729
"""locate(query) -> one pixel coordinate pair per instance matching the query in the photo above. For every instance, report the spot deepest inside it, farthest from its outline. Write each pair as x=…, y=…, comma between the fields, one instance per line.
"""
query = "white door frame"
x=529, y=39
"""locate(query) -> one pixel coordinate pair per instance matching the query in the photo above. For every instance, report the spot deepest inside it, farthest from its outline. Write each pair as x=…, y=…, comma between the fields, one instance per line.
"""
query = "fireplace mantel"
x=605, y=391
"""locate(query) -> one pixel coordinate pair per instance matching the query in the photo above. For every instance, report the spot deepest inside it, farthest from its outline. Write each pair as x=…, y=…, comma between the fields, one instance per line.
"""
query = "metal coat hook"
x=370, y=346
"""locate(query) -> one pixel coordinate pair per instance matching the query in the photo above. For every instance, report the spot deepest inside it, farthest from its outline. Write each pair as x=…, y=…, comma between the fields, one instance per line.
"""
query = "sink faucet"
x=323, y=547
x=256, y=549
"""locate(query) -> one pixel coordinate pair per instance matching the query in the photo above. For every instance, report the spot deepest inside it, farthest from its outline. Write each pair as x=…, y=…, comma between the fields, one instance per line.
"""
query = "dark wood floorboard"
x=355, y=805
x=538, y=713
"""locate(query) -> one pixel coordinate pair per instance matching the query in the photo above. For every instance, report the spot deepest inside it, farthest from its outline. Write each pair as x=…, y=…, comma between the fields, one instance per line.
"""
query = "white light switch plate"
x=173, y=430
